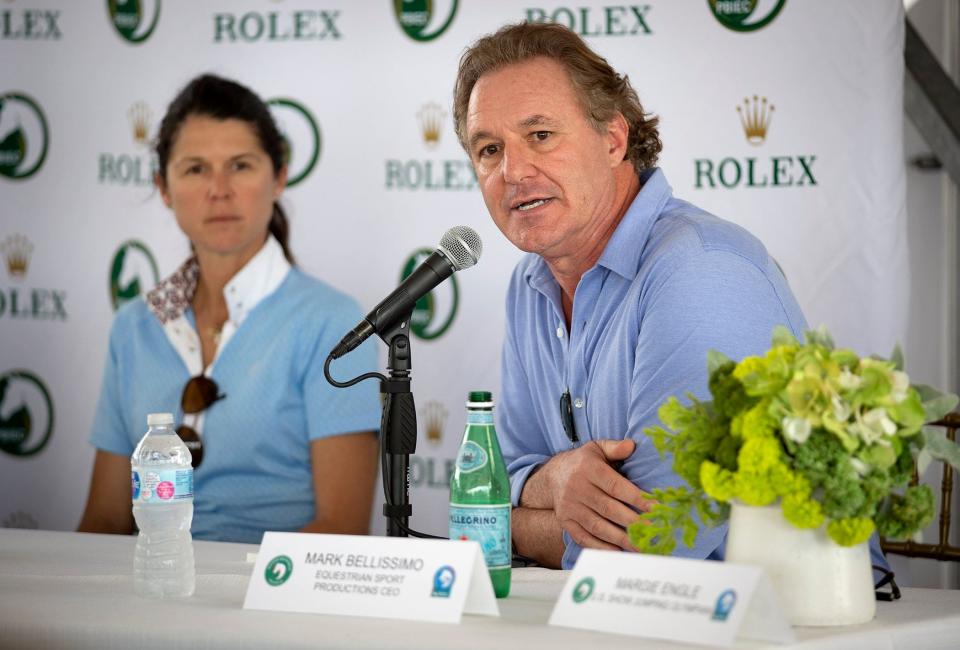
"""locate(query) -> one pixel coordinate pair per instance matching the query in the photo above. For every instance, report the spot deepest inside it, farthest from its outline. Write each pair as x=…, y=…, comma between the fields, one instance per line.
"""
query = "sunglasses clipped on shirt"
x=566, y=416
x=199, y=394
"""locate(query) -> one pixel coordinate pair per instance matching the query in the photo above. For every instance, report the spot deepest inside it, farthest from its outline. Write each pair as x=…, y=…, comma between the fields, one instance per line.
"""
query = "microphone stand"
x=398, y=428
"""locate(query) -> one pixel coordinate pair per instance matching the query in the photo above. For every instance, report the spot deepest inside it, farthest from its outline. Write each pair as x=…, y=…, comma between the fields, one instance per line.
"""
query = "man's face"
x=547, y=176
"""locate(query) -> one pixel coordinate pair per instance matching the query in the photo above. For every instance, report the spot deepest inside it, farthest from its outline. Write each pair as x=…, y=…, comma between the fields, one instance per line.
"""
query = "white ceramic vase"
x=818, y=581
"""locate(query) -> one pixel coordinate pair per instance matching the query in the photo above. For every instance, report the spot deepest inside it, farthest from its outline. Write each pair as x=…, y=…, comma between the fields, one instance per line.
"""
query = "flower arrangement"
x=832, y=436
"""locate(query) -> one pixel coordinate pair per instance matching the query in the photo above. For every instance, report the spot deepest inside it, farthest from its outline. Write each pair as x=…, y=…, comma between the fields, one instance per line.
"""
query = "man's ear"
x=618, y=136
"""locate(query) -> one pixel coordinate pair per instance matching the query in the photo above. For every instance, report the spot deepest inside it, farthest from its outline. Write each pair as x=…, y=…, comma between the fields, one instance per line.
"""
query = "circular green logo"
x=745, y=15
x=24, y=136
x=134, y=20
x=583, y=590
x=26, y=413
x=132, y=271
x=278, y=570
x=297, y=125
x=434, y=313
x=420, y=19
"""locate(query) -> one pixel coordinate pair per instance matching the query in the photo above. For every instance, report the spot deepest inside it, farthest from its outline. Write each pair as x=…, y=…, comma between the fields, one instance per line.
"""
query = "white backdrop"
x=818, y=176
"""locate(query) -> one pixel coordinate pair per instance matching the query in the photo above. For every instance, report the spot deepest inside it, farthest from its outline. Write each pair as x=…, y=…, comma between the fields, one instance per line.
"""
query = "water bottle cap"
x=155, y=419
x=480, y=399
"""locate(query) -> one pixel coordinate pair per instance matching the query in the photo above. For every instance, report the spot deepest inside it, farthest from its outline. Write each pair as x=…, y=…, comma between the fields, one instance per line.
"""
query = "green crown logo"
x=417, y=18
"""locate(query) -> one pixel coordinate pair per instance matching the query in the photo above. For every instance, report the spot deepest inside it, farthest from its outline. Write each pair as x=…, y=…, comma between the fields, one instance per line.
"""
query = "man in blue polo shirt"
x=623, y=292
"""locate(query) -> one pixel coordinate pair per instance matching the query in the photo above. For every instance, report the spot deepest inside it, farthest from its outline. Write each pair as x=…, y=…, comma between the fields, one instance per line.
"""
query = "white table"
x=72, y=590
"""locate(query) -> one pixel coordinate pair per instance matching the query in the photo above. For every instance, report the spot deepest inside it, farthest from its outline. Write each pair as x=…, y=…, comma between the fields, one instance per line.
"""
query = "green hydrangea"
x=802, y=511
x=851, y=531
x=830, y=436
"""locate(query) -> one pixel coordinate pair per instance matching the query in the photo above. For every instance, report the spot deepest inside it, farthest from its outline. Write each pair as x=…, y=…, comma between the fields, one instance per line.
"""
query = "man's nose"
x=518, y=165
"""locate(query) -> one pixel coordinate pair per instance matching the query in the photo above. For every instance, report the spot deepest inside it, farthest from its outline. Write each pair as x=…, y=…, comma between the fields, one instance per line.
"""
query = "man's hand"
x=592, y=501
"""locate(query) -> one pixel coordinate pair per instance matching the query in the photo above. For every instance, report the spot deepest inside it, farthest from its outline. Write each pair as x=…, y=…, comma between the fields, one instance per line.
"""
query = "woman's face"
x=221, y=186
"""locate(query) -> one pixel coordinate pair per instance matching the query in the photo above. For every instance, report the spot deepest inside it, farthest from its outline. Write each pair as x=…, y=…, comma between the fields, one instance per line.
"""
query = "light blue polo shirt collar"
x=623, y=252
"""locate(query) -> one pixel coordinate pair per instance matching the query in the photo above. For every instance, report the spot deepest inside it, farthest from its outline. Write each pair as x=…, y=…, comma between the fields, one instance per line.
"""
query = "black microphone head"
x=462, y=246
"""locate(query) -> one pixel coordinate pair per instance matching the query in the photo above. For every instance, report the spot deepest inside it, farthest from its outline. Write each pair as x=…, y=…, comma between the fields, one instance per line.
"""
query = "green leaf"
x=897, y=357
x=923, y=461
x=940, y=447
x=820, y=336
x=715, y=359
x=783, y=336
x=935, y=403
x=879, y=456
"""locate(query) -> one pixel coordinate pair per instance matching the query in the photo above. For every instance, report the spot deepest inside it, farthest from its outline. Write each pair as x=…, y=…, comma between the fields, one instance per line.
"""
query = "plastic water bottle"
x=162, y=484
x=480, y=492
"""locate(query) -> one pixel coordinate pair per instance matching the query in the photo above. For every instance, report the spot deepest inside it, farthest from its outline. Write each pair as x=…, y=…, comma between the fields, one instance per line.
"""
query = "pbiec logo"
x=26, y=413
x=24, y=136
x=745, y=15
x=134, y=20
x=301, y=137
x=434, y=312
x=422, y=20
x=132, y=272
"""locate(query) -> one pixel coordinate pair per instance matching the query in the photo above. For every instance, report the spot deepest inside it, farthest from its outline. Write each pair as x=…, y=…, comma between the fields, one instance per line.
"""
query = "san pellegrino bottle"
x=480, y=492
x=162, y=481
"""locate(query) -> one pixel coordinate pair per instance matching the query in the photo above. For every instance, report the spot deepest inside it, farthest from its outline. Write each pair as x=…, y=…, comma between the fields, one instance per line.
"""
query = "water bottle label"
x=487, y=525
x=471, y=457
x=164, y=486
x=480, y=417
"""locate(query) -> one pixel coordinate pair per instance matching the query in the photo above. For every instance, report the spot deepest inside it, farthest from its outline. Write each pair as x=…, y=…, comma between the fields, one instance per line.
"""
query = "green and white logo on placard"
x=745, y=15
x=278, y=570
x=434, y=313
x=301, y=137
x=423, y=20
x=26, y=413
x=134, y=20
x=24, y=136
x=583, y=590
x=132, y=272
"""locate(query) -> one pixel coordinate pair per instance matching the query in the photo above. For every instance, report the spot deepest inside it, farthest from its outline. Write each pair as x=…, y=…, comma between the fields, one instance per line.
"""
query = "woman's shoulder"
x=312, y=293
x=132, y=316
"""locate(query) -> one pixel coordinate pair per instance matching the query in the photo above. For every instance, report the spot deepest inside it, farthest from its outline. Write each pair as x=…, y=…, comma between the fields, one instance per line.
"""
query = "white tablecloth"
x=72, y=590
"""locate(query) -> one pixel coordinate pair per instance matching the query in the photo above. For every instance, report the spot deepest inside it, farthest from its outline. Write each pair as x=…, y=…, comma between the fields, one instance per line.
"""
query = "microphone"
x=459, y=249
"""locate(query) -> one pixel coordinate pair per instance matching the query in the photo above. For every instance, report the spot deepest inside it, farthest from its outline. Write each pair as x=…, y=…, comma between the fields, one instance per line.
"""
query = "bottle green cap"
x=484, y=397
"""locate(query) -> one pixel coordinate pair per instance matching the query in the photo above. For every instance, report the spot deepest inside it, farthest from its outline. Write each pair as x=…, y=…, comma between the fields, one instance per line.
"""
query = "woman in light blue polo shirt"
x=237, y=337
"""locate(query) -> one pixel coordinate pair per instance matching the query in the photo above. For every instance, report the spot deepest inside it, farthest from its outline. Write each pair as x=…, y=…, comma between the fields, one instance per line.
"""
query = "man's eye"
x=489, y=150
x=542, y=135
x=241, y=164
x=193, y=169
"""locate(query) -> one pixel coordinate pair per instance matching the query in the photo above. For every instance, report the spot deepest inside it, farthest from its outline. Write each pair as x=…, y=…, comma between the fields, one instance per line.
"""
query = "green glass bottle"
x=480, y=492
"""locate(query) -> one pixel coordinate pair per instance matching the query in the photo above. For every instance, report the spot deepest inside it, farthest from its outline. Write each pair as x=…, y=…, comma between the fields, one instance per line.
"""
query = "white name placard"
x=384, y=577
x=692, y=601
